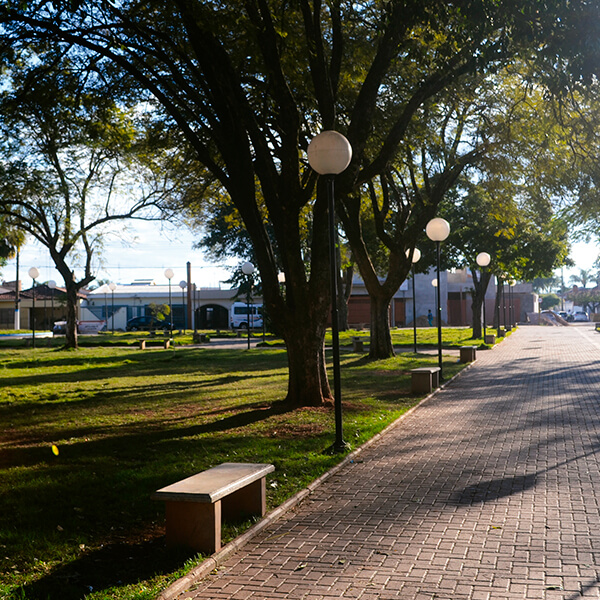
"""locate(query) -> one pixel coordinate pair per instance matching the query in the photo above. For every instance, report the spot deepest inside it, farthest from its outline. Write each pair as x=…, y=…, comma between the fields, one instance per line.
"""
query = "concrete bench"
x=358, y=344
x=425, y=379
x=143, y=344
x=467, y=354
x=194, y=506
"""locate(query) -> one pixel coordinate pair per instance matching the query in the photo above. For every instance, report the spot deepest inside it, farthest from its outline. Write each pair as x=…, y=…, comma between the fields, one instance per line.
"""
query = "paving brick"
x=487, y=491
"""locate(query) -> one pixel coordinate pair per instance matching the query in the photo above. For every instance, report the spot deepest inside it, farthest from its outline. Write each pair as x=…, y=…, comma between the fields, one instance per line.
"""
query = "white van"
x=238, y=316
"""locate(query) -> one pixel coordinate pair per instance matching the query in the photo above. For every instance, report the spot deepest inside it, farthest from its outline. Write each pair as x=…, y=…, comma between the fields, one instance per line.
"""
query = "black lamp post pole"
x=248, y=311
x=484, y=287
x=170, y=312
x=33, y=315
x=414, y=309
x=439, y=310
x=339, y=444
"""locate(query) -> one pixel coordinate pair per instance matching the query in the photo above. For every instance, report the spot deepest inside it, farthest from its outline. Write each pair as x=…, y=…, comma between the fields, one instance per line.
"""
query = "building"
x=49, y=306
x=206, y=308
x=209, y=308
x=455, y=292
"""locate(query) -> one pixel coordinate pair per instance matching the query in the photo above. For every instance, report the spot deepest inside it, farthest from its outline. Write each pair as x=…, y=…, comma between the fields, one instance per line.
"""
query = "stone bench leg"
x=194, y=525
x=467, y=354
x=250, y=500
x=422, y=382
x=142, y=345
x=197, y=525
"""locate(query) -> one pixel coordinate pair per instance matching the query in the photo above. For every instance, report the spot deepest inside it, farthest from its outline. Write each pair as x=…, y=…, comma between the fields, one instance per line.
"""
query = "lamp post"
x=248, y=269
x=113, y=286
x=34, y=274
x=329, y=154
x=169, y=275
x=183, y=285
x=52, y=286
x=483, y=260
x=415, y=259
x=437, y=231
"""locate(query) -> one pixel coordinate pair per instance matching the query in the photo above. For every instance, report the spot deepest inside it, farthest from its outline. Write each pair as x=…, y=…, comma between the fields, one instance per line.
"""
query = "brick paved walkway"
x=490, y=489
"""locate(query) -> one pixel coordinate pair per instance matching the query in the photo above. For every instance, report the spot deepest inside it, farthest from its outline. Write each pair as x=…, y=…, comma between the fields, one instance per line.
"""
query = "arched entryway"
x=212, y=316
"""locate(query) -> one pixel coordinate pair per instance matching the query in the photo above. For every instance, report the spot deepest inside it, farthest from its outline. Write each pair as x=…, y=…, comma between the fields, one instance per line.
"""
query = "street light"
x=329, y=154
x=415, y=259
x=169, y=275
x=34, y=274
x=113, y=286
x=248, y=269
x=483, y=260
x=183, y=285
x=437, y=231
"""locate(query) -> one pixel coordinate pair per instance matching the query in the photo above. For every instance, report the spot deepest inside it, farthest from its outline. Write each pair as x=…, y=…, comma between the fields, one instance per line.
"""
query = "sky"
x=158, y=247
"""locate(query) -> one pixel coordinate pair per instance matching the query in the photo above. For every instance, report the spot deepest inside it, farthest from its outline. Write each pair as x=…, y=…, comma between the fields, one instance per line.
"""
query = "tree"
x=586, y=298
x=584, y=277
x=73, y=163
x=247, y=84
x=550, y=301
x=158, y=311
x=10, y=241
x=522, y=243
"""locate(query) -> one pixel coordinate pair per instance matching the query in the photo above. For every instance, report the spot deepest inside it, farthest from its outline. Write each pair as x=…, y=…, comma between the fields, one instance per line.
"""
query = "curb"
x=217, y=559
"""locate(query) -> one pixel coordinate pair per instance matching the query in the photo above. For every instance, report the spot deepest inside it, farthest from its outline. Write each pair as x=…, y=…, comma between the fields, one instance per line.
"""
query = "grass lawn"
x=87, y=436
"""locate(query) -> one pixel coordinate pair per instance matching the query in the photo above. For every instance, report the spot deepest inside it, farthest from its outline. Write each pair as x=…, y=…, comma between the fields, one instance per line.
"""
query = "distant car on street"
x=146, y=323
x=580, y=316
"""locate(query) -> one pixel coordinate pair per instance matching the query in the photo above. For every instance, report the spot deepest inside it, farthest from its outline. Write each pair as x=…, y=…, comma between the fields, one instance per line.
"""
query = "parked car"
x=580, y=316
x=59, y=328
x=146, y=323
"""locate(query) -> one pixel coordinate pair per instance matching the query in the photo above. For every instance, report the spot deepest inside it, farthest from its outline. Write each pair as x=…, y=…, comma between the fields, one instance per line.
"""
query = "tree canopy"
x=248, y=84
x=73, y=163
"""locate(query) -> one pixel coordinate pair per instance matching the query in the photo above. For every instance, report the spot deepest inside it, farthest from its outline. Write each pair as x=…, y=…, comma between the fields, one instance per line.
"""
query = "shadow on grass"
x=138, y=437
x=114, y=565
x=172, y=362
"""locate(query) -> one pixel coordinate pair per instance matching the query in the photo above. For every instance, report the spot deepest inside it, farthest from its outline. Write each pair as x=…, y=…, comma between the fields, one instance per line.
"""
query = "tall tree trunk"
x=345, y=287
x=498, y=305
x=480, y=285
x=381, y=338
x=476, y=308
x=307, y=383
x=71, y=330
